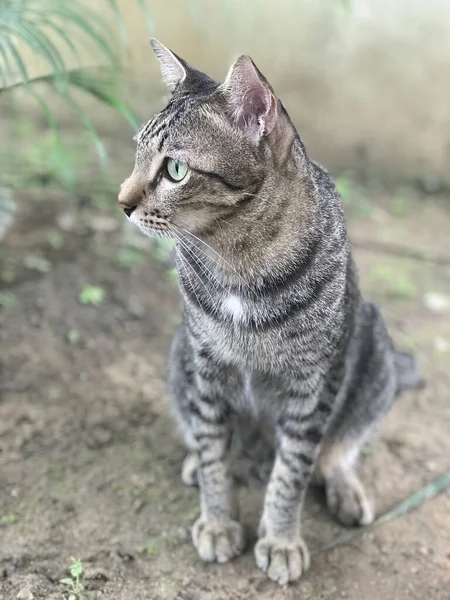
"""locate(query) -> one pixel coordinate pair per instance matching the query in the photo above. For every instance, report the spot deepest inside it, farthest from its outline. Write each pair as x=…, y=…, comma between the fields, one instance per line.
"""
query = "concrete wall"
x=367, y=86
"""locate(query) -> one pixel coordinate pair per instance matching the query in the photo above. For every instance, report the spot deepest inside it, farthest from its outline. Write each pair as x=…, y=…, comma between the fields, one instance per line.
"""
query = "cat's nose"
x=128, y=210
x=131, y=194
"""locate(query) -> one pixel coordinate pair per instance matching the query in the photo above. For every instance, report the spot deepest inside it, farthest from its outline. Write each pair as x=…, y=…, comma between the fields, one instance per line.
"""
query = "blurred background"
x=89, y=457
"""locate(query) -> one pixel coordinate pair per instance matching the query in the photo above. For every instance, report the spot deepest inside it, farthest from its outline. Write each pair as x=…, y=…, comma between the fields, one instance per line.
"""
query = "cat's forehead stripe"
x=160, y=123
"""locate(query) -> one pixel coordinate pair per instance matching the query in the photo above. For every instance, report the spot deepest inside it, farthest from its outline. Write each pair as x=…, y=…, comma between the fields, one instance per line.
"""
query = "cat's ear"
x=254, y=106
x=173, y=69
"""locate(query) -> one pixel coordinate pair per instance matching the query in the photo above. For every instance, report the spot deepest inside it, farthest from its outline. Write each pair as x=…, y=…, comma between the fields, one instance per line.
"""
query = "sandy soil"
x=90, y=459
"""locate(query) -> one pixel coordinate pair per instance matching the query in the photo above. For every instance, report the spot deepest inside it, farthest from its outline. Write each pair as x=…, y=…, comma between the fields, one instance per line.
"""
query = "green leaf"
x=20, y=64
x=7, y=299
x=89, y=126
x=76, y=568
x=91, y=294
x=42, y=45
x=61, y=32
x=83, y=19
x=151, y=549
x=66, y=581
x=432, y=489
x=6, y=71
x=119, y=20
x=435, y=487
x=8, y=519
x=102, y=89
x=150, y=24
x=56, y=240
x=128, y=256
x=73, y=337
x=172, y=276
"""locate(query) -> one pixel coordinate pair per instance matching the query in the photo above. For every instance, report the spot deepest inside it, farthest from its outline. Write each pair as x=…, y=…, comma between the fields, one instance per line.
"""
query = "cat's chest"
x=233, y=341
x=233, y=307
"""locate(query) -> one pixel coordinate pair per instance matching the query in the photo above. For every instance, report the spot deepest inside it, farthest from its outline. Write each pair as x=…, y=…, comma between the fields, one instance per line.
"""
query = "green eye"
x=176, y=170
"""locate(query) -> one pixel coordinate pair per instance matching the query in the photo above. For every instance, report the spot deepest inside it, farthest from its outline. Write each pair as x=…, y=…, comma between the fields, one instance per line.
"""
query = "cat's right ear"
x=253, y=104
x=173, y=70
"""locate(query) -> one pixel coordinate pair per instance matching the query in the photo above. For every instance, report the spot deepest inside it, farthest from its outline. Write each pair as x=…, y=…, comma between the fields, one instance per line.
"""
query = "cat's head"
x=207, y=154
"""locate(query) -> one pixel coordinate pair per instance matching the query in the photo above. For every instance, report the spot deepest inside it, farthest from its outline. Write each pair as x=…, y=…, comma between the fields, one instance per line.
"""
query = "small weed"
x=346, y=189
x=7, y=299
x=56, y=240
x=73, y=336
x=128, y=257
x=367, y=450
x=194, y=513
x=74, y=582
x=172, y=276
x=151, y=549
x=101, y=200
x=162, y=250
x=399, y=205
x=8, y=275
x=8, y=519
x=91, y=294
x=396, y=284
x=37, y=263
x=315, y=593
x=49, y=162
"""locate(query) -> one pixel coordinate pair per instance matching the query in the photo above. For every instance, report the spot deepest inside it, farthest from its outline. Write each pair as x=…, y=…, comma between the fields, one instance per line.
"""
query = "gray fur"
x=279, y=367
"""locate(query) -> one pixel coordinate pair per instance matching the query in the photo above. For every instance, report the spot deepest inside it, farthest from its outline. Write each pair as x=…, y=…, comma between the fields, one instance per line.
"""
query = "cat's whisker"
x=220, y=256
x=193, y=244
x=200, y=264
x=189, y=248
x=183, y=264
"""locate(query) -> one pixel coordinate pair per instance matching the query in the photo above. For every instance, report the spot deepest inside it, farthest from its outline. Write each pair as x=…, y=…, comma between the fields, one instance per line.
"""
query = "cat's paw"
x=189, y=470
x=282, y=560
x=217, y=541
x=347, y=500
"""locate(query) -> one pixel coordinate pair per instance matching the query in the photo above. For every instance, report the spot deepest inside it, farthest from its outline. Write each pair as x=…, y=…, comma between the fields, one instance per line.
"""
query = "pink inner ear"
x=254, y=103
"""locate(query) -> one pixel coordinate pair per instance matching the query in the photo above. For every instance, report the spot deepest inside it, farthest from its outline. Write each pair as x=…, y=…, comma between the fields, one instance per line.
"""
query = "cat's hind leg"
x=338, y=458
x=346, y=497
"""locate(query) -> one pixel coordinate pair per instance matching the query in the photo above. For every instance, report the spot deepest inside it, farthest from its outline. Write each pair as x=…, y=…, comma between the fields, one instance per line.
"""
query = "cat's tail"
x=409, y=375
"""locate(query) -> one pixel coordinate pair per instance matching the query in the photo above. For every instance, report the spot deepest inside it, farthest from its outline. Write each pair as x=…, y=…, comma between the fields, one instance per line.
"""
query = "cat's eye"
x=176, y=170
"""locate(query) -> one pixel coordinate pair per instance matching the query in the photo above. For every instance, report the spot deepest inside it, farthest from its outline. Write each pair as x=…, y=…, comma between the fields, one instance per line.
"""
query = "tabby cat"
x=280, y=369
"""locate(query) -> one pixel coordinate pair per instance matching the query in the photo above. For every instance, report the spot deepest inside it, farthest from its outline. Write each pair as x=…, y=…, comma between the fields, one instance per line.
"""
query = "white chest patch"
x=232, y=306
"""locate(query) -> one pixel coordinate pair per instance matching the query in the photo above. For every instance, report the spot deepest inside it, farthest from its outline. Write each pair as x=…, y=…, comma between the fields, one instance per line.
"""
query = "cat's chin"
x=153, y=232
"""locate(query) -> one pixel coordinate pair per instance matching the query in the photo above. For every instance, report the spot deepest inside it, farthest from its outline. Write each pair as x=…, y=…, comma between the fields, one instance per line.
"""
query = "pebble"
x=442, y=344
x=25, y=594
x=96, y=573
x=103, y=223
x=183, y=535
x=66, y=221
x=436, y=303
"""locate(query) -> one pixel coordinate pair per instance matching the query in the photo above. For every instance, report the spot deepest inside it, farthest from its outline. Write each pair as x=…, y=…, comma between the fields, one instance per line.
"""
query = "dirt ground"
x=90, y=458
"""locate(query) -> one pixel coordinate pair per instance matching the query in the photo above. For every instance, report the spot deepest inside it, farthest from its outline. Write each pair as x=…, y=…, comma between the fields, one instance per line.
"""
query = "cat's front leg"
x=281, y=551
x=217, y=534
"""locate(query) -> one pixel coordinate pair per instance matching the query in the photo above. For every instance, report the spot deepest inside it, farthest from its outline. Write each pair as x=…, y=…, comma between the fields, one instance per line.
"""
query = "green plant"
x=56, y=31
x=7, y=299
x=396, y=283
x=8, y=519
x=91, y=294
x=126, y=257
x=74, y=581
x=73, y=336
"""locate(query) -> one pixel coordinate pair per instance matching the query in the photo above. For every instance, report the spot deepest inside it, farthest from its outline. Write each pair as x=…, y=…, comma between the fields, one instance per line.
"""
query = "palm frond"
x=49, y=28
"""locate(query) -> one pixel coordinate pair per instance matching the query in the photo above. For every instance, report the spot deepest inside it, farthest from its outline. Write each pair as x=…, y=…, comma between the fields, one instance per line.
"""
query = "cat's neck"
x=262, y=241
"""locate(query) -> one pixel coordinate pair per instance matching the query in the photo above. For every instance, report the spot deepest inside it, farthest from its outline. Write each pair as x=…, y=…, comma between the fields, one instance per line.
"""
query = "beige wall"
x=367, y=87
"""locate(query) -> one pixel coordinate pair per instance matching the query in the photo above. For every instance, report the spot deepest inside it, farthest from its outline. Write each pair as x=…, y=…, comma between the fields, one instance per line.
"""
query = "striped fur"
x=279, y=368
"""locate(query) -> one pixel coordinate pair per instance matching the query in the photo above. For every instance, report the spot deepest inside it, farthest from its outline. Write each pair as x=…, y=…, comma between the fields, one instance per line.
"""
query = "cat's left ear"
x=173, y=69
x=254, y=106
